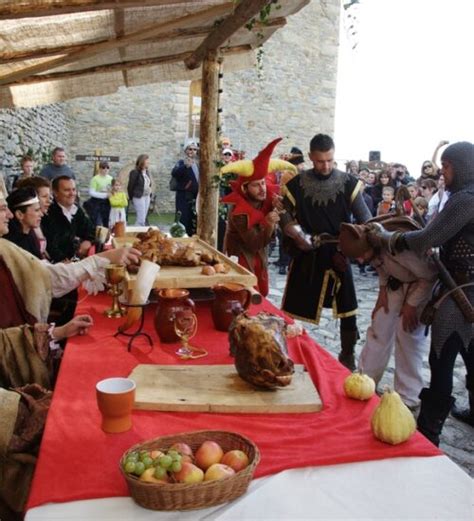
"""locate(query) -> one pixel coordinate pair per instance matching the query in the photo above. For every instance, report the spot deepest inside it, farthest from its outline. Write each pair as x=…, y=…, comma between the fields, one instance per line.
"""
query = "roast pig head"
x=259, y=346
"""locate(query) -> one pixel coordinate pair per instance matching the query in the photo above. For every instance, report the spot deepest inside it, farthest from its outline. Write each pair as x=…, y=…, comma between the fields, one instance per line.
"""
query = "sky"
x=409, y=82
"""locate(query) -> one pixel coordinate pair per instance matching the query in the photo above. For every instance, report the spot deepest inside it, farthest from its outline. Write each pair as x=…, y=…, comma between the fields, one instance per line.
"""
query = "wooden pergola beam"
x=145, y=32
x=175, y=35
x=243, y=13
x=178, y=34
x=28, y=9
x=121, y=66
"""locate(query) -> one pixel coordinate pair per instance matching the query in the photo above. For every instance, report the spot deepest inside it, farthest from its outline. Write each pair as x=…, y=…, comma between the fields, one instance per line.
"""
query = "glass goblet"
x=185, y=327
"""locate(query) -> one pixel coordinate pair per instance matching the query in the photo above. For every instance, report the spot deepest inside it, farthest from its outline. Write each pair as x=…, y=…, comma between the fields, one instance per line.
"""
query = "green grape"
x=144, y=454
x=176, y=466
x=160, y=473
x=129, y=467
x=132, y=456
x=139, y=468
x=148, y=462
x=165, y=462
x=176, y=456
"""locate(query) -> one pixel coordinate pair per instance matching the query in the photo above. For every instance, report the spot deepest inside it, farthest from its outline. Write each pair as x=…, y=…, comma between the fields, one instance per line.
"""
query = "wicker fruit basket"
x=182, y=496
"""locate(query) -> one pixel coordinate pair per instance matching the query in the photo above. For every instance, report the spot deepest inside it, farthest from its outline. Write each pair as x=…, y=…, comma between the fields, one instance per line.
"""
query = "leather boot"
x=348, y=342
x=434, y=410
x=466, y=415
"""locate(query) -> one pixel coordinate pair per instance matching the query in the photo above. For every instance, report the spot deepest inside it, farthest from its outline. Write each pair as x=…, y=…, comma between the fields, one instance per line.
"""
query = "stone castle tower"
x=290, y=93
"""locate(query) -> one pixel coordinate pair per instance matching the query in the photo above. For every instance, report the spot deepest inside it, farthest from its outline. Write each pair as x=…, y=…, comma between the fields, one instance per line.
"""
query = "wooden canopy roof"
x=53, y=50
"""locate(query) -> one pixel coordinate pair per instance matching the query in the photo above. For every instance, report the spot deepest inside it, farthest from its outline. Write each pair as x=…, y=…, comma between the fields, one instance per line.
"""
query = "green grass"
x=158, y=219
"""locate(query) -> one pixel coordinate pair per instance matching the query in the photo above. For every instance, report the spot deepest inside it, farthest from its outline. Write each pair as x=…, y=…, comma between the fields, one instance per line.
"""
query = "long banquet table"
x=324, y=465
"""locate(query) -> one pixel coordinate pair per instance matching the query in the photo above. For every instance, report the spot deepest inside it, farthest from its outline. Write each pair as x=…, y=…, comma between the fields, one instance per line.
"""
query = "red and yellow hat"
x=258, y=168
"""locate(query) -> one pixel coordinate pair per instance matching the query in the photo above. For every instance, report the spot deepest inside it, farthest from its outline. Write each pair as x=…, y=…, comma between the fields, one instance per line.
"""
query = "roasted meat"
x=166, y=251
x=259, y=346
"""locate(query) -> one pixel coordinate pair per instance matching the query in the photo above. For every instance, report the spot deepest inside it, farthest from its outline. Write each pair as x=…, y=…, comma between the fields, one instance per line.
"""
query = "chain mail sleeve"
x=459, y=211
x=360, y=209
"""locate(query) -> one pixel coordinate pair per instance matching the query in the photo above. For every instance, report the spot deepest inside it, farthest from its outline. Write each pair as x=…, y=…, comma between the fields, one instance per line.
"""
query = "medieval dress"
x=27, y=288
x=320, y=204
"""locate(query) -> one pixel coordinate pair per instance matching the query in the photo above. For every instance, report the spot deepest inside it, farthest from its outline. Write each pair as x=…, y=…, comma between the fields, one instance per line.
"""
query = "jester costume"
x=248, y=232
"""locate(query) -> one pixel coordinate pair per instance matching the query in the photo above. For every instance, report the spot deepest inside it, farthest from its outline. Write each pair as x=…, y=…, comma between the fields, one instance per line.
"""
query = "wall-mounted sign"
x=110, y=159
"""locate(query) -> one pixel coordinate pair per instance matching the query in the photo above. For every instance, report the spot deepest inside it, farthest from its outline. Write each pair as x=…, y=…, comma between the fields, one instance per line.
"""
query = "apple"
x=189, y=473
x=156, y=454
x=183, y=448
x=235, y=459
x=218, y=471
x=148, y=476
x=208, y=453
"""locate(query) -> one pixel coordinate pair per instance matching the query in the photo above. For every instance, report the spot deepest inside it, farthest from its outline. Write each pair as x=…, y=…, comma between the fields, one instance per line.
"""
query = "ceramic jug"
x=231, y=299
x=171, y=302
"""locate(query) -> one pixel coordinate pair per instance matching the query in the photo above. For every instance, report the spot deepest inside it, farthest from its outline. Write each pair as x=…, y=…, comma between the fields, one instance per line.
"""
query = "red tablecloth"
x=79, y=461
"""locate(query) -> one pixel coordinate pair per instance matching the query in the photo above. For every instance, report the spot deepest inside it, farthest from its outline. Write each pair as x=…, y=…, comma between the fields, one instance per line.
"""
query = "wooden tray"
x=191, y=276
x=218, y=388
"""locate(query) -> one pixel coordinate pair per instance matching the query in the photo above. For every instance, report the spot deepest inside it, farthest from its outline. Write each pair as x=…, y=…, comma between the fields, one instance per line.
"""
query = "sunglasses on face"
x=227, y=154
x=424, y=188
x=427, y=166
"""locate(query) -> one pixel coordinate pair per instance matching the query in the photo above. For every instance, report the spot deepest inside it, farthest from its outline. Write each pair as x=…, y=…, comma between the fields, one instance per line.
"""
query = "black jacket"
x=27, y=241
x=60, y=233
x=186, y=179
x=136, y=184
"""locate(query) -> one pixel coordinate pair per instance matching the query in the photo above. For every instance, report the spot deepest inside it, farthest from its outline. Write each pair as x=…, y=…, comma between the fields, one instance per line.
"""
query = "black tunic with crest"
x=320, y=204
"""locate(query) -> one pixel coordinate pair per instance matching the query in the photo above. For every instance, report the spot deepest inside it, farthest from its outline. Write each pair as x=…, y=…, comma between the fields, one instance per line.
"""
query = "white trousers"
x=386, y=333
x=117, y=215
x=141, y=205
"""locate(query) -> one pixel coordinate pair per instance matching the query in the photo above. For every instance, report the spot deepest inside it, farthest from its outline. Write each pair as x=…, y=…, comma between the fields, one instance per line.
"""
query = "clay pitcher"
x=231, y=299
x=170, y=302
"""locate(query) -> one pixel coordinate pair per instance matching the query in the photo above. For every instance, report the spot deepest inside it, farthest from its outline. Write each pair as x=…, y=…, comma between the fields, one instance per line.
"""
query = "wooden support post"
x=208, y=187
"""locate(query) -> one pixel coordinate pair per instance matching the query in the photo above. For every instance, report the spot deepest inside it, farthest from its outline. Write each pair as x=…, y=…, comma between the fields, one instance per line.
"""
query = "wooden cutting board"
x=218, y=388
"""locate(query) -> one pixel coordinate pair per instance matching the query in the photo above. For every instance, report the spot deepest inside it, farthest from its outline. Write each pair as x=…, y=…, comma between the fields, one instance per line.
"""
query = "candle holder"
x=114, y=274
x=139, y=331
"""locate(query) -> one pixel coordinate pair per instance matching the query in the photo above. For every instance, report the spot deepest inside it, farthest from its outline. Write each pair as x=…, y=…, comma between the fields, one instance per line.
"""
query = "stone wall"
x=142, y=120
x=37, y=129
x=294, y=94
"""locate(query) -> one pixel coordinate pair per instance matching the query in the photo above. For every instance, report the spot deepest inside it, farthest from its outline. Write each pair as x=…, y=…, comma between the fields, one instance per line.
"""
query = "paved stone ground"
x=457, y=439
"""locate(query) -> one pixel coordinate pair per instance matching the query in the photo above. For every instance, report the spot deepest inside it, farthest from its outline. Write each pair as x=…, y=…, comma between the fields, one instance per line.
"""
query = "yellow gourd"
x=359, y=386
x=392, y=421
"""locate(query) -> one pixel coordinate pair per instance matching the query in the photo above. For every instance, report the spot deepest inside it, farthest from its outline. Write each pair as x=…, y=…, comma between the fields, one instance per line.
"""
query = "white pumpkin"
x=392, y=421
x=359, y=386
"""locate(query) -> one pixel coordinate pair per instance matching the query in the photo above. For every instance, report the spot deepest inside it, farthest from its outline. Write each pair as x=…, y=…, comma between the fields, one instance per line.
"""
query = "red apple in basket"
x=189, y=473
x=235, y=459
x=218, y=471
x=208, y=453
x=185, y=450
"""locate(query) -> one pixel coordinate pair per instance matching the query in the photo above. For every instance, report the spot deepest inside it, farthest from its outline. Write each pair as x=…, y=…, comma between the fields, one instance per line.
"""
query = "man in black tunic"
x=316, y=202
